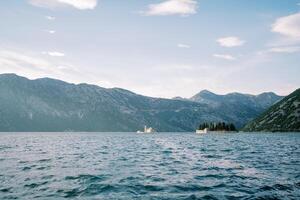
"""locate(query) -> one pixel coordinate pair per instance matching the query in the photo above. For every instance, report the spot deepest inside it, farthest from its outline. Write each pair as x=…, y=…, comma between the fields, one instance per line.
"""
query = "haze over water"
x=157, y=166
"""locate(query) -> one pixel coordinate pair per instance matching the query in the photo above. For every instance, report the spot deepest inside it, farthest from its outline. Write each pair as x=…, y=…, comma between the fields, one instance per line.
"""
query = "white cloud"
x=14, y=59
x=173, y=67
x=50, y=18
x=289, y=49
x=230, y=41
x=54, y=53
x=224, y=56
x=288, y=25
x=79, y=4
x=50, y=31
x=183, y=46
x=172, y=7
x=32, y=65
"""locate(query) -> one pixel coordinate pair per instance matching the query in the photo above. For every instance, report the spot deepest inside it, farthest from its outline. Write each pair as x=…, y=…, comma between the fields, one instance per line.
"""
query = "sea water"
x=154, y=166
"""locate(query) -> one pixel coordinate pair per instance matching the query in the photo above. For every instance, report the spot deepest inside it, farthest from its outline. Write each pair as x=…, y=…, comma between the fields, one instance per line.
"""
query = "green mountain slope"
x=53, y=105
x=284, y=116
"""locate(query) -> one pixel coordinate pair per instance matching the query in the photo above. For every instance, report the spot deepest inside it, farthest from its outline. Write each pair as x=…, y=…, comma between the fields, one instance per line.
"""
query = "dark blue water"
x=158, y=166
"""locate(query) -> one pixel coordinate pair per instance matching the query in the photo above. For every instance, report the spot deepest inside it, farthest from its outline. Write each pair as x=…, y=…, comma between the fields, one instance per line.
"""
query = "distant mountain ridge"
x=284, y=116
x=263, y=100
x=54, y=105
x=235, y=101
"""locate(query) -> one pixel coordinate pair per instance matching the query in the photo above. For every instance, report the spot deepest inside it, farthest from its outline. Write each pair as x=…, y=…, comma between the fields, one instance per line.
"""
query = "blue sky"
x=161, y=48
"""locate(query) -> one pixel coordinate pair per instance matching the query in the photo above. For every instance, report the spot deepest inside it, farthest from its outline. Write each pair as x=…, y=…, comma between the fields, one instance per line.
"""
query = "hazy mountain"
x=53, y=105
x=283, y=116
x=241, y=108
x=261, y=101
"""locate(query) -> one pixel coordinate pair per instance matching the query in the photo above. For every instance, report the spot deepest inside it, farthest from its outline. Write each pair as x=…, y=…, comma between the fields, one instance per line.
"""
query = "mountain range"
x=53, y=105
x=284, y=116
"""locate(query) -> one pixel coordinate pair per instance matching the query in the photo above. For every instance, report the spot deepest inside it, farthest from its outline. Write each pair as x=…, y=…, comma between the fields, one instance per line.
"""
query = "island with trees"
x=216, y=127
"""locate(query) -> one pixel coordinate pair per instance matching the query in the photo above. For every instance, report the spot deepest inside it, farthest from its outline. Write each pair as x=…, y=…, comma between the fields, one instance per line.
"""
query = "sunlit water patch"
x=156, y=166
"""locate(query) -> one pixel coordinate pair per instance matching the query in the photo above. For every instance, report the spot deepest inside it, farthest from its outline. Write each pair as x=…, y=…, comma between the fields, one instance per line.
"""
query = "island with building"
x=147, y=130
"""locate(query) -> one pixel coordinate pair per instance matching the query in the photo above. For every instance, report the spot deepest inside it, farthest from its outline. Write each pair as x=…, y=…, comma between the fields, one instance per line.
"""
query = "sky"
x=159, y=48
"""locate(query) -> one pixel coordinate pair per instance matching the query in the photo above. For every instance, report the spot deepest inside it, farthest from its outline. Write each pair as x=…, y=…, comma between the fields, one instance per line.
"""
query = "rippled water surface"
x=158, y=166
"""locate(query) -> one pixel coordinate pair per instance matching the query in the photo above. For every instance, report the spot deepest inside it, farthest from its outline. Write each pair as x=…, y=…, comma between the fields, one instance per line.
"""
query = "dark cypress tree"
x=232, y=127
x=223, y=126
x=227, y=127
